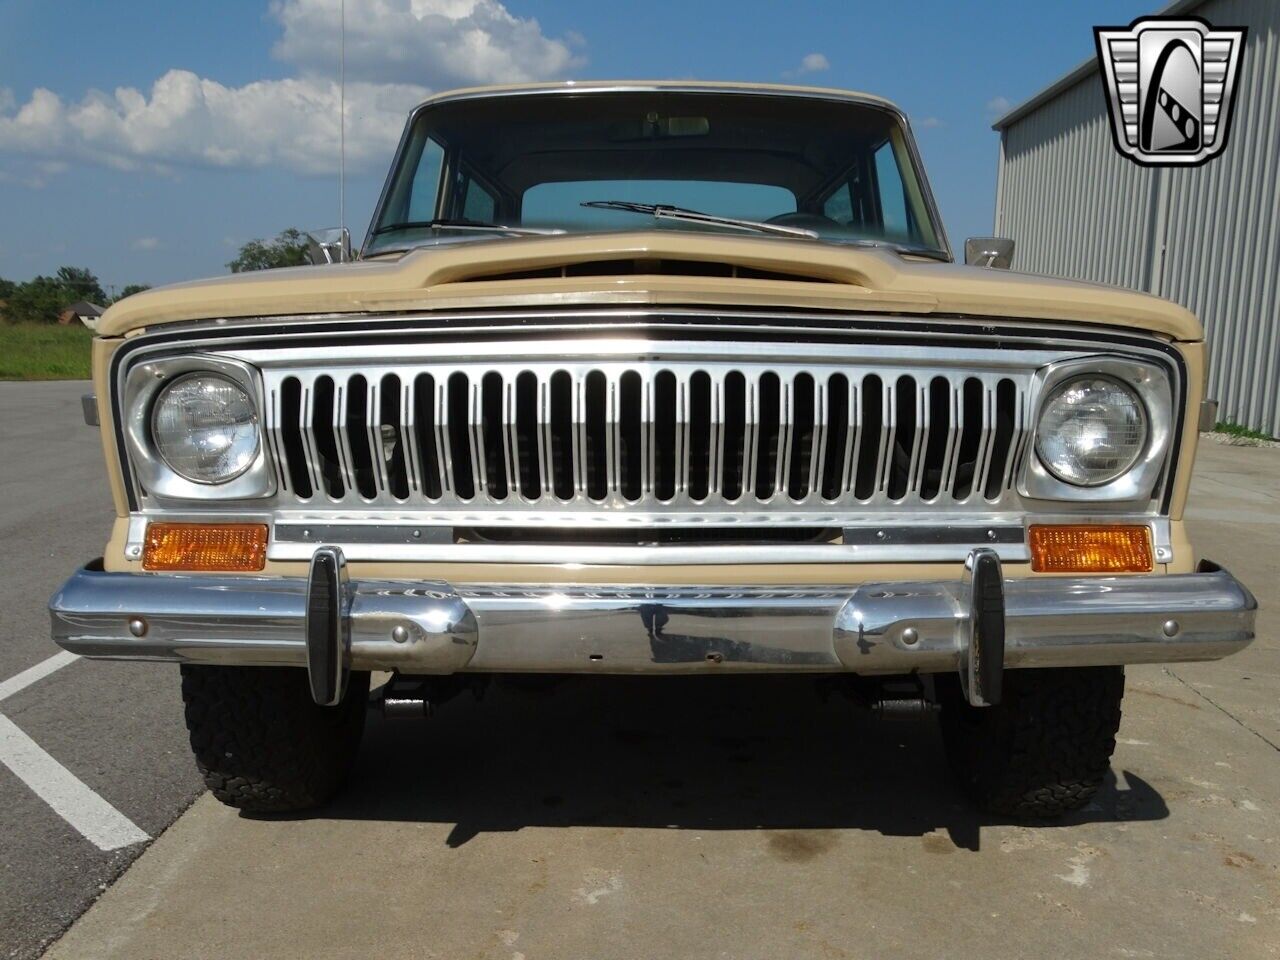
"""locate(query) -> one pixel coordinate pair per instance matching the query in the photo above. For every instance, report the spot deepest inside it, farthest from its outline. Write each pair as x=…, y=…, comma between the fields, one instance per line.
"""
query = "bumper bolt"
x=910, y=636
x=1171, y=628
x=400, y=633
x=138, y=627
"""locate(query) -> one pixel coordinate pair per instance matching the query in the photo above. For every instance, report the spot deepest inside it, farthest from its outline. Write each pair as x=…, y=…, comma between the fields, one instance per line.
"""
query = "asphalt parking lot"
x=629, y=819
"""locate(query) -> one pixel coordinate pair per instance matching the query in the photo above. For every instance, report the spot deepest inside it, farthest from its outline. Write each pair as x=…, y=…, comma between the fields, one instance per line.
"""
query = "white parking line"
x=100, y=823
x=41, y=670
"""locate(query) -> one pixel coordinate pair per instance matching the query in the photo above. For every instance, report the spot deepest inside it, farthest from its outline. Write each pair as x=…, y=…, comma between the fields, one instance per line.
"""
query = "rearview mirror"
x=331, y=245
x=994, y=252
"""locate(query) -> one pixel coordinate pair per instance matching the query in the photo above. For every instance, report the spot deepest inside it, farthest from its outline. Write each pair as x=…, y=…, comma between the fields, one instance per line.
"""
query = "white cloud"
x=397, y=52
x=814, y=63
x=999, y=105
x=146, y=243
x=188, y=120
x=927, y=123
x=428, y=42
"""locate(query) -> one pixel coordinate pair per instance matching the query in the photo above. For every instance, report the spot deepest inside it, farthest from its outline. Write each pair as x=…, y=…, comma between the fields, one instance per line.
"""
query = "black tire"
x=1045, y=749
x=260, y=741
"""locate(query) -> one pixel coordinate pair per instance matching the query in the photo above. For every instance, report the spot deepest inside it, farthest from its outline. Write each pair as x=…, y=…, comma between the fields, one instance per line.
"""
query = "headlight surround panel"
x=1150, y=382
x=143, y=386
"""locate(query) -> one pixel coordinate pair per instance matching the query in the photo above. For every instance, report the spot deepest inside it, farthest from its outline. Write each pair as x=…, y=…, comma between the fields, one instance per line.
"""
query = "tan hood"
x=776, y=273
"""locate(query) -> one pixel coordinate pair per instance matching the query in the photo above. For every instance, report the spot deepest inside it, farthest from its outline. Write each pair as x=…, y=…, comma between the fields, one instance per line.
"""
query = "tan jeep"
x=651, y=378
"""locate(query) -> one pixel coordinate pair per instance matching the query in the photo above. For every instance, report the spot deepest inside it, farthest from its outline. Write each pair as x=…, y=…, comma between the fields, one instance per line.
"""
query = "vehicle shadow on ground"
x=699, y=753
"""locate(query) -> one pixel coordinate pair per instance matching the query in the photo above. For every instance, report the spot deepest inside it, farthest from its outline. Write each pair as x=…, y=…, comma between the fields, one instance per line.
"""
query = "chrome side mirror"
x=994, y=252
x=332, y=245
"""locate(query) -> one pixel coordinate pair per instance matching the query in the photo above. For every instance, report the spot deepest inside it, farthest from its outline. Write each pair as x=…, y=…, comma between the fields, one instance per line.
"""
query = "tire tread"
x=262, y=744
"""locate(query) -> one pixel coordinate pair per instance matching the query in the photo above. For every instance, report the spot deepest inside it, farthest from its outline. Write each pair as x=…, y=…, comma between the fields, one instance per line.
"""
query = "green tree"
x=131, y=289
x=81, y=284
x=42, y=298
x=288, y=249
x=39, y=300
x=7, y=289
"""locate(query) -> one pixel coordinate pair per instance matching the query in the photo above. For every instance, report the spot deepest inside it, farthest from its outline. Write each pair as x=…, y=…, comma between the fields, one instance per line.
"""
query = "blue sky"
x=146, y=140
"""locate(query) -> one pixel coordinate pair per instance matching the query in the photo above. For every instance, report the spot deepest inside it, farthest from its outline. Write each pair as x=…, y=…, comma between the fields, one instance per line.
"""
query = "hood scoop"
x=637, y=266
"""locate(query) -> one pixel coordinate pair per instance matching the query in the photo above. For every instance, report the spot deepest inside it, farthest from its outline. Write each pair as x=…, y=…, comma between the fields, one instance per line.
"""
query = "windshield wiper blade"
x=930, y=252
x=445, y=224
x=665, y=211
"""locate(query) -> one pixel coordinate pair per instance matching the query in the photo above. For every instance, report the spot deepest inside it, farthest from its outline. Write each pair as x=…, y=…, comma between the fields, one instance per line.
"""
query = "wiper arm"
x=445, y=224
x=665, y=211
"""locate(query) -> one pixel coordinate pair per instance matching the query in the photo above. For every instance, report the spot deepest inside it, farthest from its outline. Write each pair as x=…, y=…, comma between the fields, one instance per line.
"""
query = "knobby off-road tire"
x=260, y=741
x=1044, y=750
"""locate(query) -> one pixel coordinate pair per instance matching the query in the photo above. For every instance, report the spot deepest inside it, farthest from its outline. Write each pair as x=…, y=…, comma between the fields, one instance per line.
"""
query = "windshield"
x=579, y=162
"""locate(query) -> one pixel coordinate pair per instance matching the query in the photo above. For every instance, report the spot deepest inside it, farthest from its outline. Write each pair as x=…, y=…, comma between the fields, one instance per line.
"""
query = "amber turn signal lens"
x=1090, y=549
x=205, y=546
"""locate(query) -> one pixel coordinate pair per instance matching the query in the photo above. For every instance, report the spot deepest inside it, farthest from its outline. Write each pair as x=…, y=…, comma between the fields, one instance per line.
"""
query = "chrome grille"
x=615, y=438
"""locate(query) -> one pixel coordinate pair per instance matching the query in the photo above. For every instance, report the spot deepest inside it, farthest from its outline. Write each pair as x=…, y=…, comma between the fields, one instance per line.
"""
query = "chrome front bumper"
x=875, y=628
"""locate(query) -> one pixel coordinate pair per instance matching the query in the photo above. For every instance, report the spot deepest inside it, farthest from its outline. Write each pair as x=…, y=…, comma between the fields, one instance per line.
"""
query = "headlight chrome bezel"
x=143, y=386
x=1150, y=382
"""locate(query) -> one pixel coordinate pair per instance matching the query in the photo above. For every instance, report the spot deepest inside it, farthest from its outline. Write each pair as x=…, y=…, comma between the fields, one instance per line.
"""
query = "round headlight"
x=205, y=427
x=1092, y=430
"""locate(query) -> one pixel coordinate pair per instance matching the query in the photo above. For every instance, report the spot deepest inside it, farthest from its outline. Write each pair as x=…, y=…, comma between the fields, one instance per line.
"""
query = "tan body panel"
x=836, y=277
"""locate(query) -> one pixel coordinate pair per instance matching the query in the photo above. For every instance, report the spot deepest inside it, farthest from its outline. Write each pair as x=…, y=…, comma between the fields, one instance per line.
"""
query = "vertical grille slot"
x=458, y=436
x=971, y=436
x=394, y=438
x=699, y=435
x=291, y=441
x=357, y=436
x=904, y=438
x=838, y=436
x=561, y=427
x=941, y=437
x=596, y=401
x=872, y=420
x=803, y=428
x=424, y=433
x=526, y=438
x=1006, y=412
x=769, y=431
x=492, y=434
x=326, y=438
x=735, y=432
x=630, y=463
x=665, y=451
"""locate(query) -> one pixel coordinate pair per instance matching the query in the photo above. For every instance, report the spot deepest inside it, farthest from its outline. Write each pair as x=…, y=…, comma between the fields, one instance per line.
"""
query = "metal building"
x=1207, y=237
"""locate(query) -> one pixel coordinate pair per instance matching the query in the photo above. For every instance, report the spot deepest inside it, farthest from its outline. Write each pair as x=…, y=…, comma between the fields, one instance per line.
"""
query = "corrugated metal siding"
x=1075, y=207
x=1222, y=252
x=1079, y=210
